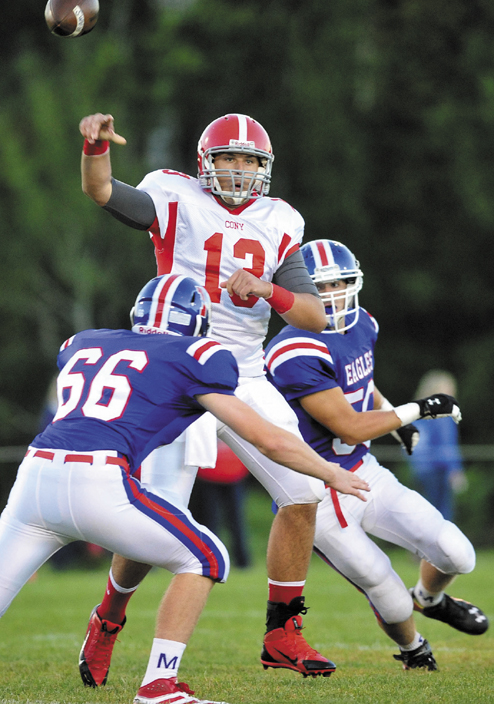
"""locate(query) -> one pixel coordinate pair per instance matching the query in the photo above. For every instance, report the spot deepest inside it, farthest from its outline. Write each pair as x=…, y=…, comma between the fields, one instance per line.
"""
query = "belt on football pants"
x=336, y=501
x=121, y=460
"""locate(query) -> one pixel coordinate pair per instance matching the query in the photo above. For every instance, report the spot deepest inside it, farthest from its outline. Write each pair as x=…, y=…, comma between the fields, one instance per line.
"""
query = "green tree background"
x=381, y=115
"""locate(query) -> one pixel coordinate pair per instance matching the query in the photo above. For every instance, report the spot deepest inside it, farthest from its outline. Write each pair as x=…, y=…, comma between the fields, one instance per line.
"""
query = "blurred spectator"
x=218, y=500
x=436, y=463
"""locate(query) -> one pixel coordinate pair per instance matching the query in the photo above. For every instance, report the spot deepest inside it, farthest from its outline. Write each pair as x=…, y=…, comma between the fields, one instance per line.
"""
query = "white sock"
x=416, y=642
x=118, y=588
x=424, y=597
x=164, y=660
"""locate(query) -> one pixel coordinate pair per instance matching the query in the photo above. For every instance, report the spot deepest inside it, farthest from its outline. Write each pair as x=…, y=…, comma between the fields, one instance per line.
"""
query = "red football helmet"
x=238, y=134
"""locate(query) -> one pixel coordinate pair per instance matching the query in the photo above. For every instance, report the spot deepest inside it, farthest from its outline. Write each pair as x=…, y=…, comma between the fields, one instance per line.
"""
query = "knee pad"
x=391, y=600
x=458, y=554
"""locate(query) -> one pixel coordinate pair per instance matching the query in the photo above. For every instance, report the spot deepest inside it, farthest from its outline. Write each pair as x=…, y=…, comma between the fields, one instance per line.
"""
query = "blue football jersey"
x=118, y=390
x=300, y=363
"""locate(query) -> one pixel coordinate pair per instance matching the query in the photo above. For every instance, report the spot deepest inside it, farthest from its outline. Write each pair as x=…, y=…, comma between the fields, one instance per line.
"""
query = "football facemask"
x=235, y=134
x=329, y=261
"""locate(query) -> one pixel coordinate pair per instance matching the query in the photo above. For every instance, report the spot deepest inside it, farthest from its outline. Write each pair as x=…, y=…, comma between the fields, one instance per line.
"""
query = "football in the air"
x=71, y=18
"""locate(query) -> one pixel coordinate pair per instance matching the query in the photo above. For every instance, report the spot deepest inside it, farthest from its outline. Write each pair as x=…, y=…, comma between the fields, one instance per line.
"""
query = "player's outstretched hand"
x=347, y=482
x=245, y=284
x=408, y=437
x=99, y=126
x=439, y=406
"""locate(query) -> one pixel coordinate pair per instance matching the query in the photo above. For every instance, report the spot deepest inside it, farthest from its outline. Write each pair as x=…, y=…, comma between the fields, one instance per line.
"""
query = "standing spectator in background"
x=218, y=499
x=436, y=462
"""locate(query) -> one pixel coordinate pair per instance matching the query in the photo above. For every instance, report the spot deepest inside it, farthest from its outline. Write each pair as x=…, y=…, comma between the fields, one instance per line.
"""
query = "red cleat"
x=96, y=652
x=286, y=647
x=170, y=691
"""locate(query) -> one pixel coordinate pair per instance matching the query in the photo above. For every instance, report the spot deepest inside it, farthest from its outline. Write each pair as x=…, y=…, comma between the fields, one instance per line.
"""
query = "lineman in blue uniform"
x=120, y=395
x=328, y=380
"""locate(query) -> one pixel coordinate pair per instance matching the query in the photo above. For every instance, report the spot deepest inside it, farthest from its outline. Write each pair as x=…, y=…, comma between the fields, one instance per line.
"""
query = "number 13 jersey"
x=194, y=234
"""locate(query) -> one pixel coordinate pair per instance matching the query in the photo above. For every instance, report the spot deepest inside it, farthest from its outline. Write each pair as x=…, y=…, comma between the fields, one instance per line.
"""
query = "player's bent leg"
x=23, y=549
x=168, y=537
x=289, y=552
x=403, y=517
x=352, y=553
x=409, y=520
x=290, y=542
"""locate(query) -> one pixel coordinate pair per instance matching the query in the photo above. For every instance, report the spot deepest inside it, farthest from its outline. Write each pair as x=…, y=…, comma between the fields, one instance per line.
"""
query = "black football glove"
x=408, y=437
x=439, y=406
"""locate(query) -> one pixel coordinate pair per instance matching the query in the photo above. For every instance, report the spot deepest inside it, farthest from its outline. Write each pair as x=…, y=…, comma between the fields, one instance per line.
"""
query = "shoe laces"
x=102, y=643
x=295, y=641
x=184, y=687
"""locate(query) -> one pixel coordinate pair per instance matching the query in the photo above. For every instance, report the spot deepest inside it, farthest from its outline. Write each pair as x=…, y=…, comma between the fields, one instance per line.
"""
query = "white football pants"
x=398, y=515
x=55, y=501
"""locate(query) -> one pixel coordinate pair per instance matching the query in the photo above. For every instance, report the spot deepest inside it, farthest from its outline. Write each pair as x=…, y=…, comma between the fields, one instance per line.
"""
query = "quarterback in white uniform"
x=223, y=230
x=328, y=379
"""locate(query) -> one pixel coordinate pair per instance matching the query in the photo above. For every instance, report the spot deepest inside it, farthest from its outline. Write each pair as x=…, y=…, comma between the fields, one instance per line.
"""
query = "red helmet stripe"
x=322, y=253
x=160, y=304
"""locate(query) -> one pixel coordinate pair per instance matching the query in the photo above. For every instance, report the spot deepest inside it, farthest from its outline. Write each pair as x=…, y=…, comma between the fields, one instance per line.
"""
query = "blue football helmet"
x=329, y=261
x=172, y=304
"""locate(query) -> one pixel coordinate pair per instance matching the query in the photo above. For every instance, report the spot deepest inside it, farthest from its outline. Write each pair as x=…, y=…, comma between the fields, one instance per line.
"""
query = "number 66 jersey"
x=118, y=390
x=302, y=363
x=194, y=234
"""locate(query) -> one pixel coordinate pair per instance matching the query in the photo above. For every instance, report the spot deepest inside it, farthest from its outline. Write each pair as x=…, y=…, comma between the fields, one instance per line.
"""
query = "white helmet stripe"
x=162, y=298
x=323, y=254
x=242, y=128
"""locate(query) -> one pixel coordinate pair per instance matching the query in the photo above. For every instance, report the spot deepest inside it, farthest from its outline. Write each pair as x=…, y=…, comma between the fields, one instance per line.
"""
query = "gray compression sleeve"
x=293, y=275
x=131, y=206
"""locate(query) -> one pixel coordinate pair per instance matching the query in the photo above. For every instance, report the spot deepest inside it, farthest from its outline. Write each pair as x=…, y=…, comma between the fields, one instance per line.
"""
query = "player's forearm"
x=278, y=444
x=331, y=409
x=306, y=313
x=287, y=449
x=367, y=426
x=96, y=177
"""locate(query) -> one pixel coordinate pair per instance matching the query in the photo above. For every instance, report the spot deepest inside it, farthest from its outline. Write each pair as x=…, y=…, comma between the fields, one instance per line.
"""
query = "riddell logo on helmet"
x=238, y=143
x=146, y=330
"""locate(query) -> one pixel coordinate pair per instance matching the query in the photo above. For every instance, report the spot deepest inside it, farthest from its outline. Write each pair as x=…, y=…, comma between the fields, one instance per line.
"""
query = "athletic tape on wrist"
x=408, y=412
x=281, y=300
x=100, y=146
x=386, y=405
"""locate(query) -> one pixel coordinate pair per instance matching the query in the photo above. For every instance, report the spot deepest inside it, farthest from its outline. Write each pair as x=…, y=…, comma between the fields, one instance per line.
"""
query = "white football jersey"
x=194, y=234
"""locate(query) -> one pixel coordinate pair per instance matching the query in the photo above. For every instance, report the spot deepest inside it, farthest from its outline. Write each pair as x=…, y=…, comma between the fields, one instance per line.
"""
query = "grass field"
x=41, y=634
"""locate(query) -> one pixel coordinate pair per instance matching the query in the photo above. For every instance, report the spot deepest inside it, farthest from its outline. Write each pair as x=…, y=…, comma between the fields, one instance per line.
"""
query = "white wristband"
x=386, y=405
x=408, y=412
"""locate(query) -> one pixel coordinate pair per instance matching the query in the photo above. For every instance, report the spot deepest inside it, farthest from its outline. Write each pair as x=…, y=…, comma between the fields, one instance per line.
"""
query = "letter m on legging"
x=162, y=661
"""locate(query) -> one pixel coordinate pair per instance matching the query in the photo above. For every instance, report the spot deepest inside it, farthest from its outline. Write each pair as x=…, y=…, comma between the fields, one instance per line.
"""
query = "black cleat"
x=459, y=614
x=420, y=658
